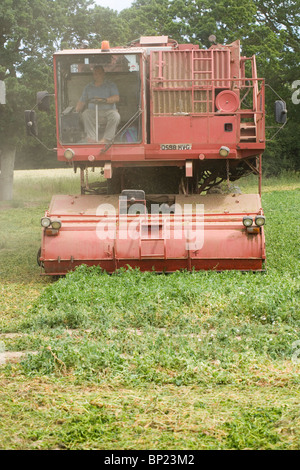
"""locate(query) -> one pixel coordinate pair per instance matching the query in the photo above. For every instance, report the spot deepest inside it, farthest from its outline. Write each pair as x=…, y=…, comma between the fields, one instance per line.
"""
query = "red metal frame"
x=204, y=130
x=124, y=151
x=159, y=241
x=226, y=242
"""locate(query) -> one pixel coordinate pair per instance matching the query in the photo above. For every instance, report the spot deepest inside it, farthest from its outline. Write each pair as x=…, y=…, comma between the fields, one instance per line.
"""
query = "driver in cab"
x=105, y=94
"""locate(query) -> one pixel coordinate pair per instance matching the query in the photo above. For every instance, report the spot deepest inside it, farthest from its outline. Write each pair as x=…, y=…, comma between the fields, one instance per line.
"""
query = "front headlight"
x=45, y=222
x=247, y=221
x=260, y=220
x=69, y=154
x=56, y=224
x=224, y=151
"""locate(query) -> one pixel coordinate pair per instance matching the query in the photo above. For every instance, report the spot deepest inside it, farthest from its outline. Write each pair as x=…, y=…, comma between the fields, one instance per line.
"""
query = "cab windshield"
x=75, y=75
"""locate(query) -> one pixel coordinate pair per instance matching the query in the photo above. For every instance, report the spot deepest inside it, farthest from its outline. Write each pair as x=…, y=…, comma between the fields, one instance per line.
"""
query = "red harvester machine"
x=190, y=119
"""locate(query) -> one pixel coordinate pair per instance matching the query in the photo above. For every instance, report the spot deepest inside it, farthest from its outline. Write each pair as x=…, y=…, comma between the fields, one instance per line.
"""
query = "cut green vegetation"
x=133, y=360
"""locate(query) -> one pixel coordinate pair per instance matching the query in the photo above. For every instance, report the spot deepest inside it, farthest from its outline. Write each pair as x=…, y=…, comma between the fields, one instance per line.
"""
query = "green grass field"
x=143, y=361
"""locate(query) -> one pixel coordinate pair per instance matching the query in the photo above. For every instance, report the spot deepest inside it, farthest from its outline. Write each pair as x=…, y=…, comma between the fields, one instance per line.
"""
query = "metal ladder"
x=202, y=63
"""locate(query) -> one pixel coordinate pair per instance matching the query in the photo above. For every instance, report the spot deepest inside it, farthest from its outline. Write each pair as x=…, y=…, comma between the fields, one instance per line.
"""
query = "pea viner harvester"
x=191, y=119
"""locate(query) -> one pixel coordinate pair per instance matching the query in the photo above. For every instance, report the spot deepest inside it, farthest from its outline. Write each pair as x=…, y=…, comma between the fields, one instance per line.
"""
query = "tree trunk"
x=7, y=163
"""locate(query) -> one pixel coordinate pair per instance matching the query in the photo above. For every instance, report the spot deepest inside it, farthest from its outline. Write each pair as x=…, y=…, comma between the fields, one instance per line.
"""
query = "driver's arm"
x=79, y=107
x=113, y=99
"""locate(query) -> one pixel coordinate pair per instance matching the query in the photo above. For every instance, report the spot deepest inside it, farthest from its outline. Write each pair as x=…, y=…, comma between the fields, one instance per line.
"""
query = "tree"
x=28, y=36
x=30, y=31
x=108, y=25
x=268, y=29
x=152, y=18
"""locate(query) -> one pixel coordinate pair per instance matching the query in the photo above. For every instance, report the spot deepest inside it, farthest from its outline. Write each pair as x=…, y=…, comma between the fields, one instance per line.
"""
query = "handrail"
x=255, y=86
x=208, y=86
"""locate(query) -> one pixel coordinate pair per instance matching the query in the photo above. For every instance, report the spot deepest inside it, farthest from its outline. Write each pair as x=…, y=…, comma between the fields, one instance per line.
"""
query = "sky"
x=114, y=4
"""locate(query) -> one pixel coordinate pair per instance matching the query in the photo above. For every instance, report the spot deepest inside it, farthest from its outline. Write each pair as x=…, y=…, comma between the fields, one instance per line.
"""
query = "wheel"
x=38, y=257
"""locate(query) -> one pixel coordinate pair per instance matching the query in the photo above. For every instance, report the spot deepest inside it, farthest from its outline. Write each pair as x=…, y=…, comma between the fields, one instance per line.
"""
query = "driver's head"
x=98, y=72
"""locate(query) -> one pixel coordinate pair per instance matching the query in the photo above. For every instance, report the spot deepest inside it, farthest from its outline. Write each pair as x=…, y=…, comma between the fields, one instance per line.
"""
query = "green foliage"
x=143, y=327
x=107, y=25
x=28, y=33
x=254, y=429
x=31, y=30
x=133, y=360
x=152, y=18
x=270, y=30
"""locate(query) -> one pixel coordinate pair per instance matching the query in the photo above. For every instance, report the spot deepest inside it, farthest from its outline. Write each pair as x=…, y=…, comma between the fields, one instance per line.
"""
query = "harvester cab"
x=166, y=123
x=74, y=74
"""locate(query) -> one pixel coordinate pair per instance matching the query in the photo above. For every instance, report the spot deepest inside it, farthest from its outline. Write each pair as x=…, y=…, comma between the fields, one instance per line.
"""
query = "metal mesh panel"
x=172, y=101
x=221, y=64
x=181, y=81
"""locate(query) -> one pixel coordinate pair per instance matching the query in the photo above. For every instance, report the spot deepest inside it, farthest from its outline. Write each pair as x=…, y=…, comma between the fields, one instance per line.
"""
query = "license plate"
x=175, y=146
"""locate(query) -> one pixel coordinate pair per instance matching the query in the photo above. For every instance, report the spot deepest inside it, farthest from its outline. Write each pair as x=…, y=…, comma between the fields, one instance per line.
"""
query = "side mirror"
x=31, y=123
x=43, y=101
x=280, y=112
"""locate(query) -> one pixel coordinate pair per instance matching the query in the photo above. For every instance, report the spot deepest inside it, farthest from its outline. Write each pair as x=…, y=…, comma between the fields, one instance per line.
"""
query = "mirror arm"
x=275, y=92
x=45, y=146
x=278, y=130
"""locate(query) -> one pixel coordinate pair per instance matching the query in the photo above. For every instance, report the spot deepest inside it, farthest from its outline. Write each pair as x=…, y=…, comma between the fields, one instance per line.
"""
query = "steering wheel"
x=97, y=100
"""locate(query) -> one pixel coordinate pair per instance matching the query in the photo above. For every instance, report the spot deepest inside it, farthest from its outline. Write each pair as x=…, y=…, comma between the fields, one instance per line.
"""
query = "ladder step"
x=251, y=134
x=246, y=115
x=246, y=126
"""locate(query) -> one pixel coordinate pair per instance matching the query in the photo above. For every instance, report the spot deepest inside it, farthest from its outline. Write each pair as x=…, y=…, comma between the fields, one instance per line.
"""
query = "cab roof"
x=119, y=50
